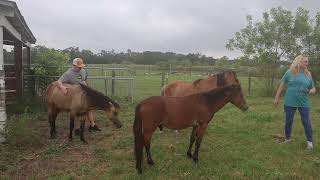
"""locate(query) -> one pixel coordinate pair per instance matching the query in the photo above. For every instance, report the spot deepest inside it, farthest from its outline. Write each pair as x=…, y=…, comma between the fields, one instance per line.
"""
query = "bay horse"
x=181, y=88
x=78, y=101
x=195, y=111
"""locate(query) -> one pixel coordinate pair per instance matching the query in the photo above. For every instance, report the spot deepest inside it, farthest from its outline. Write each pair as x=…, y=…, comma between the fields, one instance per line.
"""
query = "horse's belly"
x=178, y=123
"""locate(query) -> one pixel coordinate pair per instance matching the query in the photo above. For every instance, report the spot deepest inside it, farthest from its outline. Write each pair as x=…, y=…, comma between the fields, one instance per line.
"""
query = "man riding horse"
x=71, y=76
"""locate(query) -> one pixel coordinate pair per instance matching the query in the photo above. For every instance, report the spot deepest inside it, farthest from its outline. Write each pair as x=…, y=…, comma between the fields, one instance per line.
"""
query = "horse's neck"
x=215, y=103
x=94, y=106
x=219, y=104
x=206, y=84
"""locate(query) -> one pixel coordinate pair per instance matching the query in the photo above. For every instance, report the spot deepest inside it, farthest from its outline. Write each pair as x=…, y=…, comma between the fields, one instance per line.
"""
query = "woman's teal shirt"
x=298, y=86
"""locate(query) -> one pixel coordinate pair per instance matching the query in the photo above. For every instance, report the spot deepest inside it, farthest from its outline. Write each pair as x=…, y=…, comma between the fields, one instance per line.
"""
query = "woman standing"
x=299, y=86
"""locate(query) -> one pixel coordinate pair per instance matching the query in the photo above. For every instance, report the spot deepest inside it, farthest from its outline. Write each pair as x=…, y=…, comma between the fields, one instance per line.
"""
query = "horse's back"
x=58, y=99
x=177, y=88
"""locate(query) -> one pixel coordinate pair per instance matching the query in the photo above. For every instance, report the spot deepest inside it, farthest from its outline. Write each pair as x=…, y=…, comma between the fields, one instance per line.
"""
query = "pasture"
x=236, y=145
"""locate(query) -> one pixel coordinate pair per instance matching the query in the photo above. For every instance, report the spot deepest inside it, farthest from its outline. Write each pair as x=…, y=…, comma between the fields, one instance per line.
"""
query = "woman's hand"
x=279, y=91
x=312, y=91
x=276, y=101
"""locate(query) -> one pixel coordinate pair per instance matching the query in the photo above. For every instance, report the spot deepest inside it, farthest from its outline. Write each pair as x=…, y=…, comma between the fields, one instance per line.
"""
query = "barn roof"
x=11, y=12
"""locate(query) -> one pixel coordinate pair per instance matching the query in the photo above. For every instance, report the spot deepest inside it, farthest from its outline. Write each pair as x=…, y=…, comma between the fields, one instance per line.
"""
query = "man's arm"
x=62, y=87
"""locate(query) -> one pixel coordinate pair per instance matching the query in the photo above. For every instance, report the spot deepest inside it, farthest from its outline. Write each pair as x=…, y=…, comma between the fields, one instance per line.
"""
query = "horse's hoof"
x=70, y=139
x=150, y=162
x=53, y=136
x=195, y=159
x=189, y=155
x=119, y=126
x=84, y=141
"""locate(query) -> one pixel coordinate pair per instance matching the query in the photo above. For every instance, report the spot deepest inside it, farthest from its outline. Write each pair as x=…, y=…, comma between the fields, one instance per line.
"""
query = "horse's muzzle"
x=116, y=122
x=244, y=108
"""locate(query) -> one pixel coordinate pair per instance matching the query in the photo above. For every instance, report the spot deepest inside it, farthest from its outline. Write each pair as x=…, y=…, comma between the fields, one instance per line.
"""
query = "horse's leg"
x=192, y=139
x=160, y=127
x=52, y=113
x=147, y=142
x=50, y=121
x=54, y=117
x=83, y=122
x=149, y=158
x=200, y=133
x=71, y=126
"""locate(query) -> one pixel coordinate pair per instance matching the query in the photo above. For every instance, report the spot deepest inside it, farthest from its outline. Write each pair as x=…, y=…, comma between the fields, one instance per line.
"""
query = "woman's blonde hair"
x=295, y=66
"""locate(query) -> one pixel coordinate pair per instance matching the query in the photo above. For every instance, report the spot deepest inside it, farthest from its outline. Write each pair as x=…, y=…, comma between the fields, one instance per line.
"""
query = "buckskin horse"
x=195, y=111
x=180, y=88
x=78, y=101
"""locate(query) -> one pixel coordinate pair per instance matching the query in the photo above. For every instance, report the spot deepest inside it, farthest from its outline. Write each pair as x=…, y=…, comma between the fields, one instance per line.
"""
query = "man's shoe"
x=77, y=132
x=94, y=128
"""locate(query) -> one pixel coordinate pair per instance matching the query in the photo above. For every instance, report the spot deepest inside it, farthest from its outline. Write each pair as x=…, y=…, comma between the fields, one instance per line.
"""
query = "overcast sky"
x=181, y=26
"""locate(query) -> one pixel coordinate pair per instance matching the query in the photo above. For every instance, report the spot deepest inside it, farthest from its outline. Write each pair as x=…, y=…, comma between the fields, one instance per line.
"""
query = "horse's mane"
x=218, y=92
x=96, y=98
x=196, y=81
x=220, y=78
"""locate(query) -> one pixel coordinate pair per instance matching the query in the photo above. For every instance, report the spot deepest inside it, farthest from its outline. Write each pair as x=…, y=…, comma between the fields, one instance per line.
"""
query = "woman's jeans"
x=305, y=118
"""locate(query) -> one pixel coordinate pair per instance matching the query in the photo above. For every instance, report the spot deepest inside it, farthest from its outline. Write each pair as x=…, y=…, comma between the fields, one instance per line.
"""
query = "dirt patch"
x=60, y=155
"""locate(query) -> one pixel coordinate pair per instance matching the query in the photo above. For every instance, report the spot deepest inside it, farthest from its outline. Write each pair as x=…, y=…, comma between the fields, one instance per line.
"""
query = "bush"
x=19, y=131
x=33, y=104
x=46, y=63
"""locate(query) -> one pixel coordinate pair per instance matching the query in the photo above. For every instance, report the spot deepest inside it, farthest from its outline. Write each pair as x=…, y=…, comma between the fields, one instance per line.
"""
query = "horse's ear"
x=116, y=105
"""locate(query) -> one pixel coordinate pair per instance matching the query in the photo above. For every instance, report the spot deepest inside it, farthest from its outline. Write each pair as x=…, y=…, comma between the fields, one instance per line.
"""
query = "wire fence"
x=110, y=81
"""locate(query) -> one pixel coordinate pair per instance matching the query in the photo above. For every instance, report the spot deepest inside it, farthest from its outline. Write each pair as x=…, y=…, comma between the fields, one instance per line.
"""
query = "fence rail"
x=109, y=80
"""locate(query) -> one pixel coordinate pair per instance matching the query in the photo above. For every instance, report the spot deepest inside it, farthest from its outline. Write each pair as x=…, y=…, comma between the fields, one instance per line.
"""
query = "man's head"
x=77, y=64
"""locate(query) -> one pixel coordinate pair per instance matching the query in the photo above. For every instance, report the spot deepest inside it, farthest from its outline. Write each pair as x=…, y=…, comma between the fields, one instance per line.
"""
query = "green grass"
x=236, y=145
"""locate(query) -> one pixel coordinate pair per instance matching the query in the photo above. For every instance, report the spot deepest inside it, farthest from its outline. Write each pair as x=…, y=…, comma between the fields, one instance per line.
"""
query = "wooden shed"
x=15, y=32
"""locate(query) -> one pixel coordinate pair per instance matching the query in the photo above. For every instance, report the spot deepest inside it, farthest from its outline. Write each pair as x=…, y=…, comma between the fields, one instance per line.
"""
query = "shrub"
x=19, y=131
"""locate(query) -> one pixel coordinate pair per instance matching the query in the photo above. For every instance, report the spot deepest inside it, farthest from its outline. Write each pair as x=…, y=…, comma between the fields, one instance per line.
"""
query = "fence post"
x=105, y=83
x=163, y=79
x=3, y=115
x=249, y=84
x=113, y=82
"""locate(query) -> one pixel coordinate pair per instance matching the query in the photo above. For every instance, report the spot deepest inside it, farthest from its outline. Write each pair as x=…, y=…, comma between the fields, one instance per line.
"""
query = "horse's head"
x=230, y=77
x=97, y=100
x=234, y=92
x=224, y=78
x=112, y=109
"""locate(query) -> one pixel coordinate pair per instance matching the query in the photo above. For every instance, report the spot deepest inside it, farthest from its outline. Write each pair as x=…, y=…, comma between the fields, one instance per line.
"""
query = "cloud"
x=182, y=26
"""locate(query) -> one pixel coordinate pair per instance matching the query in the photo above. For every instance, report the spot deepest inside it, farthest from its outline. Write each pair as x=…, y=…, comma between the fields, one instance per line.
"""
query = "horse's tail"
x=47, y=92
x=163, y=89
x=138, y=139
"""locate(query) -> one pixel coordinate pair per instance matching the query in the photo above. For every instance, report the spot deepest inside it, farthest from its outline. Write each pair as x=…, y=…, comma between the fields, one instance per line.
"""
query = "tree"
x=47, y=62
x=73, y=52
x=279, y=35
x=223, y=61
